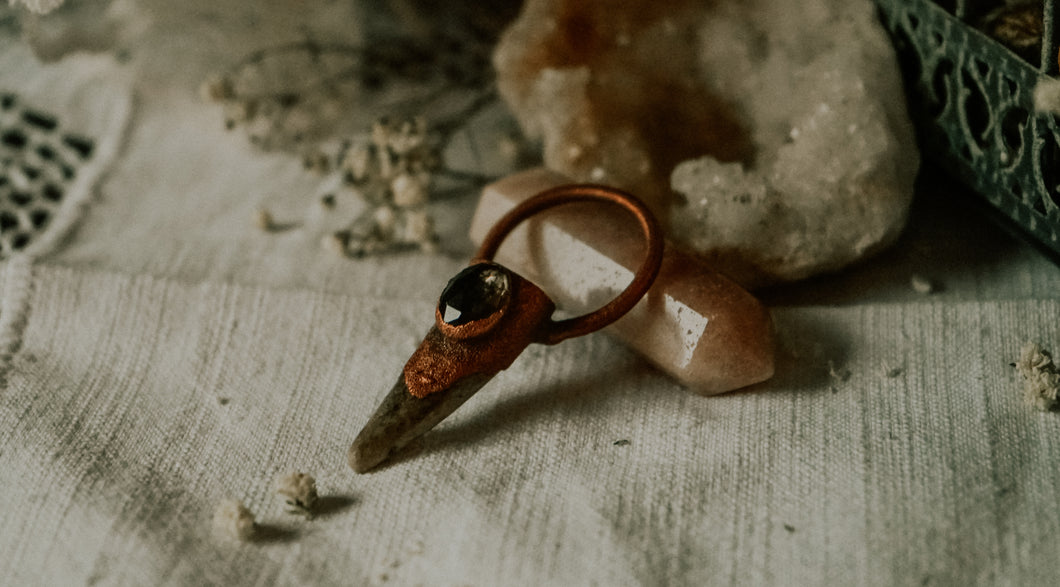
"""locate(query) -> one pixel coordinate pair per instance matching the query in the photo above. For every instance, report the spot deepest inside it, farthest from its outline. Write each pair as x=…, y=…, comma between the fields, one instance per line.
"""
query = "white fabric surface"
x=115, y=446
x=166, y=355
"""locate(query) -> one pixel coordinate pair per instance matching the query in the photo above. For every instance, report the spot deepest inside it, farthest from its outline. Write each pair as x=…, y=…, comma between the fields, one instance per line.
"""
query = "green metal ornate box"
x=970, y=76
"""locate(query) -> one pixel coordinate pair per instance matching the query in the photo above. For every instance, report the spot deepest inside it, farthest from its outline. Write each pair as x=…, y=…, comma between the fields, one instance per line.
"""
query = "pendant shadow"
x=273, y=534
x=811, y=357
x=331, y=505
x=582, y=396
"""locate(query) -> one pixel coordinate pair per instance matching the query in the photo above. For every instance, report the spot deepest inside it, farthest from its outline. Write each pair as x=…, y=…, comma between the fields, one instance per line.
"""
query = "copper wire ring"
x=566, y=194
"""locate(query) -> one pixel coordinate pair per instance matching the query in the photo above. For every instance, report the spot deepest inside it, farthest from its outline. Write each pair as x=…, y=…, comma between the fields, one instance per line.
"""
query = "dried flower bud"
x=217, y=88
x=234, y=520
x=337, y=242
x=1041, y=378
x=386, y=163
x=317, y=161
x=411, y=135
x=922, y=285
x=356, y=162
x=299, y=491
x=260, y=129
x=428, y=160
x=297, y=124
x=381, y=133
x=238, y=112
x=263, y=220
x=376, y=194
x=384, y=222
x=409, y=191
x=419, y=227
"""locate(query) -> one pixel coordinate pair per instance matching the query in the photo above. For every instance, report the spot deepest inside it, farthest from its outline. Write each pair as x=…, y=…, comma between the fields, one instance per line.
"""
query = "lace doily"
x=38, y=163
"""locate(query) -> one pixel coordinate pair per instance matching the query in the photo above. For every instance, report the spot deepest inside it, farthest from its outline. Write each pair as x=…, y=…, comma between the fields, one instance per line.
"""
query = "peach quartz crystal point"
x=694, y=323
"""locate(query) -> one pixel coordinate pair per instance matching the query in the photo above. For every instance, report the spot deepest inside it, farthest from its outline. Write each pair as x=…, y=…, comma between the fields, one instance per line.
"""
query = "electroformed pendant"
x=485, y=317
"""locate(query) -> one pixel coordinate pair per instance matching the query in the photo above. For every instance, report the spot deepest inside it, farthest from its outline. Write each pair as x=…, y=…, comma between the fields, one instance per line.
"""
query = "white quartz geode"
x=779, y=127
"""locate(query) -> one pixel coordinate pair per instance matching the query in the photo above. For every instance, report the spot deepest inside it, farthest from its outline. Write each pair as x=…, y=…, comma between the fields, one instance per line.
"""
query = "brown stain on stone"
x=645, y=89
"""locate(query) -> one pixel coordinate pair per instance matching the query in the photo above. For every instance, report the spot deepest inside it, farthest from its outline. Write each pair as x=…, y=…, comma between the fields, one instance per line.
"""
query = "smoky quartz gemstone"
x=475, y=293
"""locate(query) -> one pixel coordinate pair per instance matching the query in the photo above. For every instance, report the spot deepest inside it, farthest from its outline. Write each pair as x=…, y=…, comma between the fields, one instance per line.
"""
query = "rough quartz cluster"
x=772, y=135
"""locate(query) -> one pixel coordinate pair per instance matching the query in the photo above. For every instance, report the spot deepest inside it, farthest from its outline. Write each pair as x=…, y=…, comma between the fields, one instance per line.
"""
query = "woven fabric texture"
x=159, y=354
x=137, y=404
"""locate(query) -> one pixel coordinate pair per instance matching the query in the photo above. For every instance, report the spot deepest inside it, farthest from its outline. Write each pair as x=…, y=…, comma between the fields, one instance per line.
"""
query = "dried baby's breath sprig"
x=1041, y=378
x=299, y=492
x=299, y=96
x=393, y=172
x=839, y=373
x=217, y=88
x=233, y=520
x=393, y=168
x=317, y=161
x=337, y=242
x=922, y=285
x=410, y=190
x=893, y=372
x=292, y=95
x=263, y=220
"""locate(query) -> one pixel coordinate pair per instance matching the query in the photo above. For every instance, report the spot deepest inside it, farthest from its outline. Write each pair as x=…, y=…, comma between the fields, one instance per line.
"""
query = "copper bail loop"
x=642, y=280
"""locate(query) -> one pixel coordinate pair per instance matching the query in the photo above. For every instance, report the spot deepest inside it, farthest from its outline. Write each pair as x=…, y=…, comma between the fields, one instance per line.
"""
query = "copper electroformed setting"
x=491, y=344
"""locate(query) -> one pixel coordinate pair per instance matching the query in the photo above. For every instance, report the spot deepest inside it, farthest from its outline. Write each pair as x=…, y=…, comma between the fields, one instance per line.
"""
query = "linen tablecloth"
x=162, y=355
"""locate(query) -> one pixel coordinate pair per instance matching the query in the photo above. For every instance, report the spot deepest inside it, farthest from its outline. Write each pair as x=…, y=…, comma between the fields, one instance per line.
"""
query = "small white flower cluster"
x=922, y=285
x=395, y=165
x=1041, y=379
x=393, y=173
x=392, y=170
x=299, y=492
x=271, y=120
x=233, y=520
